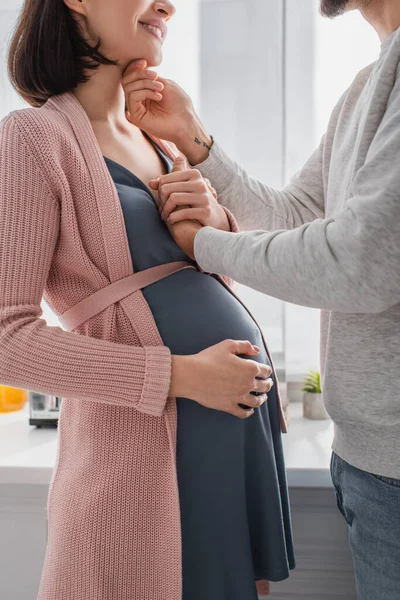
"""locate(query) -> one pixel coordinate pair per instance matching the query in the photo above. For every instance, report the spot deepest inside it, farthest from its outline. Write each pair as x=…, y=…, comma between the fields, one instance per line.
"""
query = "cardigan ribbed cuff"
x=157, y=381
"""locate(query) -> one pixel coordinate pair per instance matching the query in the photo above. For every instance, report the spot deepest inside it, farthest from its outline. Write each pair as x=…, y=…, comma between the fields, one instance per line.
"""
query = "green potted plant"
x=313, y=406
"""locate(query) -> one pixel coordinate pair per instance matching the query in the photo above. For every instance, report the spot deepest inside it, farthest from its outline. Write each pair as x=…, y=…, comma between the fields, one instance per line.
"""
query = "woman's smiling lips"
x=156, y=28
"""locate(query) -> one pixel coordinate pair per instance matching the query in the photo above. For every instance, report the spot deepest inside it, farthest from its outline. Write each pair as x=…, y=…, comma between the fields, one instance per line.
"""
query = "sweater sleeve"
x=349, y=263
x=234, y=229
x=47, y=359
x=259, y=206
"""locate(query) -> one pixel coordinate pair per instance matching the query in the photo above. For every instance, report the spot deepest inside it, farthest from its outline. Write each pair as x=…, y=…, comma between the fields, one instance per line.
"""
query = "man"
x=330, y=239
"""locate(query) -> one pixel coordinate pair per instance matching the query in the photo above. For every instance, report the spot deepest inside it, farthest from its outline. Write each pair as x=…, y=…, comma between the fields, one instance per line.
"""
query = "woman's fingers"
x=263, y=385
x=182, y=199
x=177, y=176
x=265, y=371
x=190, y=187
x=196, y=193
x=253, y=401
x=242, y=413
x=242, y=347
x=187, y=214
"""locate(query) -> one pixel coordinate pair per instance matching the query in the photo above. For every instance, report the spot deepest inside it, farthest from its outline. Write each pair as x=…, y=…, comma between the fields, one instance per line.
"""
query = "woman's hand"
x=161, y=108
x=186, y=219
x=217, y=378
x=186, y=189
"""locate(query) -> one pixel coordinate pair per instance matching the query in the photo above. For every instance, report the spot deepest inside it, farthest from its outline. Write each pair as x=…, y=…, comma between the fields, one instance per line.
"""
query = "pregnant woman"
x=170, y=480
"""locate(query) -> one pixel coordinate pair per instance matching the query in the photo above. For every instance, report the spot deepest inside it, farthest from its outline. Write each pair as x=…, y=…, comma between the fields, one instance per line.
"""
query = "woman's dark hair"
x=48, y=54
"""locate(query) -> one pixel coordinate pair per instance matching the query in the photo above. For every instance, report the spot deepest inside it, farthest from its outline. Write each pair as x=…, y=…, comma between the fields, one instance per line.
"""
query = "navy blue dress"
x=234, y=504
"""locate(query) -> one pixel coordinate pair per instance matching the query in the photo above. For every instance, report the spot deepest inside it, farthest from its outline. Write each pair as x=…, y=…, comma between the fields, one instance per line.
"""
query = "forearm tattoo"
x=199, y=143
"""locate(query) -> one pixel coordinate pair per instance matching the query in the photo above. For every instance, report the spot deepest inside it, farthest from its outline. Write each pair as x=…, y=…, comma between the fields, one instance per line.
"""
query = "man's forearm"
x=195, y=143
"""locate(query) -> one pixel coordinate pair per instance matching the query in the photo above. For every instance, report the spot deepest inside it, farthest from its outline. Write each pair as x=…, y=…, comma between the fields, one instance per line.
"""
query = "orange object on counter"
x=12, y=398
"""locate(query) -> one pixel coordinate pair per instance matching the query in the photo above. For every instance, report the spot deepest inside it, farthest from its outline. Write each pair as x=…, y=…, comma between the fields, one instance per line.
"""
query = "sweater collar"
x=114, y=235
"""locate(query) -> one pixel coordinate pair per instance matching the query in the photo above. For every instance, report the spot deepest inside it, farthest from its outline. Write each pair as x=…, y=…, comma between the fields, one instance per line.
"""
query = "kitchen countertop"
x=28, y=454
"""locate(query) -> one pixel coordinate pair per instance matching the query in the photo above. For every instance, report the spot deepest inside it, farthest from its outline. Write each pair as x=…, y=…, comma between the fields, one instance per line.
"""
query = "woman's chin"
x=154, y=59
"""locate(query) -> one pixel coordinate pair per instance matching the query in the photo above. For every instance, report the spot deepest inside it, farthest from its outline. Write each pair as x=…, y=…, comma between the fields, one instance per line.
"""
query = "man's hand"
x=161, y=108
x=185, y=194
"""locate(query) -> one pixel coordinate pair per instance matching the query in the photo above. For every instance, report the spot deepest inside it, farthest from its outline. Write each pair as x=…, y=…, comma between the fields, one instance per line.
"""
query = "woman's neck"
x=103, y=97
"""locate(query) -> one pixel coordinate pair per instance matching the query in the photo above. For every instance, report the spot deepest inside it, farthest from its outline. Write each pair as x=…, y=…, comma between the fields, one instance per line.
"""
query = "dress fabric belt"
x=100, y=300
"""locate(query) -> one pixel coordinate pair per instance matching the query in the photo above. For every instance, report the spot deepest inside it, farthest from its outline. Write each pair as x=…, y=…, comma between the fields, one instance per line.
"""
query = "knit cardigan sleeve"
x=47, y=359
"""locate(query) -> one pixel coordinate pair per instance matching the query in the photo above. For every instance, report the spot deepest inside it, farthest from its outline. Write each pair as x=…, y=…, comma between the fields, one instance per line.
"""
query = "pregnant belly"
x=193, y=311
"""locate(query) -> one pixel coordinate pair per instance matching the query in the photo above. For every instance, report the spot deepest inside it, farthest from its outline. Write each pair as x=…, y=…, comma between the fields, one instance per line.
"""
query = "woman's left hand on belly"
x=185, y=195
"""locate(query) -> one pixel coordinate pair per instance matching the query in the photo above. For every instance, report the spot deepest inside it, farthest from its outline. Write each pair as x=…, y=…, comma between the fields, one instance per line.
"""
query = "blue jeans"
x=371, y=506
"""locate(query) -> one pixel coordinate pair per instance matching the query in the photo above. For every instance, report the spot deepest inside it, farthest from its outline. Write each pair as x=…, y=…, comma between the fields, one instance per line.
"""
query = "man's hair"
x=333, y=8
x=48, y=54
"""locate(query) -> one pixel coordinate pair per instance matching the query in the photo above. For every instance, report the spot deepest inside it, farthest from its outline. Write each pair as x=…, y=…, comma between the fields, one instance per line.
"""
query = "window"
x=344, y=46
x=322, y=58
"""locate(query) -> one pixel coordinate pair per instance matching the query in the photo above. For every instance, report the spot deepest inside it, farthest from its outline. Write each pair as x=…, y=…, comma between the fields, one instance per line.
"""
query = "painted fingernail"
x=257, y=348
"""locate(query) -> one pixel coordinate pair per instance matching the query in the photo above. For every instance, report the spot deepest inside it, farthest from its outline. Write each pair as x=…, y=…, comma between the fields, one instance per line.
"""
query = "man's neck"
x=383, y=15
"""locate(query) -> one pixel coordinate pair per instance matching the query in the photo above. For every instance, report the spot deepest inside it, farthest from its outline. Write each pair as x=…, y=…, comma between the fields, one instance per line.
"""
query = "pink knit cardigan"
x=113, y=504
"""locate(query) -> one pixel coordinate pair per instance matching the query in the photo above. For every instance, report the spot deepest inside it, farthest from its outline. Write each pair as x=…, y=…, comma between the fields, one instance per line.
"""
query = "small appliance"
x=44, y=409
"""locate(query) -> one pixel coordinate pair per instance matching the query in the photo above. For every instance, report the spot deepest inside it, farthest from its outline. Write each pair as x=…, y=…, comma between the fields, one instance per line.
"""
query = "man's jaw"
x=334, y=8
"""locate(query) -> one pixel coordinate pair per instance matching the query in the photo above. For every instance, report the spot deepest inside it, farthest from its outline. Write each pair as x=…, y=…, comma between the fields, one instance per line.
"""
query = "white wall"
x=181, y=50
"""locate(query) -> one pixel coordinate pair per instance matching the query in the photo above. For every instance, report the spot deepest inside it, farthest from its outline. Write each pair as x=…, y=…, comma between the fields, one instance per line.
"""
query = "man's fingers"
x=139, y=97
x=135, y=65
x=141, y=84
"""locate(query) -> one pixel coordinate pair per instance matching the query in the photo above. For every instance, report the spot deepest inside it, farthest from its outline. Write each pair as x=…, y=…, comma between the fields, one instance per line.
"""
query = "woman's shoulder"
x=44, y=127
x=46, y=134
